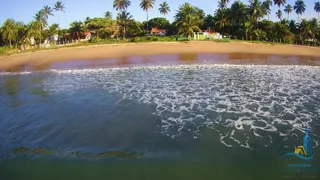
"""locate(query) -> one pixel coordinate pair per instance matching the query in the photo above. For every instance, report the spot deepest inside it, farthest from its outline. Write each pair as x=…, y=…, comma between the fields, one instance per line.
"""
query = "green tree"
x=288, y=9
x=299, y=7
x=164, y=8
x=208, y=22
x=159, y=22
x=239, y=12
x=108, y=15
x=267, y=7
x=121, y=5
x=304, y=30
x=279, y=14
x=59, y=6
x=124, y=19
x=279, y=3
x=222, y=4
x=314, y=27
x=76, y=29
x=256, y=10
x=146, y=5
x=260, y=34
x=317, y=8
x=187, y=19
x=222, y=20
x=9, y=31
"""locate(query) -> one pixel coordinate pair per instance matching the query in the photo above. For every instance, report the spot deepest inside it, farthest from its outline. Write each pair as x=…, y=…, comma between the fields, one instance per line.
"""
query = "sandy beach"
x=125, y=50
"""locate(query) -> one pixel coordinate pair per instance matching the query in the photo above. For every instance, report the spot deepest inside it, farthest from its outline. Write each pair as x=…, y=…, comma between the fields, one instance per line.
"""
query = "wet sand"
x=146, y=49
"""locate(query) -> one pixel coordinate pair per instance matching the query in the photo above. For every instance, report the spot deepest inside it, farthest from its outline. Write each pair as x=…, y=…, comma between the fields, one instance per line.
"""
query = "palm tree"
x=304, y=30
x=279, y=2
x=299, y=7
x=188, y=26
x=267, y=7
x=59, y=7
x=146, y=5
x=288, y=9
x=317, y=8
x=42, y=23
x=124, y=19
x=222, y=18
x=9, y=31
x=108, y=15
x=279, y=14
x=256, y=10
x=47, y=11
x=76, y=28
x=239, y=12
x=121, y=5
x=222, y=4
x=314, y=27
x=164, y=8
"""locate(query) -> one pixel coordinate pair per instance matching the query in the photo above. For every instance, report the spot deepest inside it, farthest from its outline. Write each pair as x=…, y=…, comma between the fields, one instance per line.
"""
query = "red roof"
x=208, y=31
x=156, y=30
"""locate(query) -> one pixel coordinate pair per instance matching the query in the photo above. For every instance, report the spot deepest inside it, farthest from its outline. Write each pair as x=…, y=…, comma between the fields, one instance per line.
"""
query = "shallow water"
x=198, y=120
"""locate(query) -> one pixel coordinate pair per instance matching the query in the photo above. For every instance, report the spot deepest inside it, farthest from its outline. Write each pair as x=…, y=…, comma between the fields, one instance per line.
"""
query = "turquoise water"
x=183, y=121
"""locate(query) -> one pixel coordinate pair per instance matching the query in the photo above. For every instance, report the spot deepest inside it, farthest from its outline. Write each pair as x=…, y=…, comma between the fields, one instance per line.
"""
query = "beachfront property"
x=206, y=34
x=158, y=32
x=82, y=36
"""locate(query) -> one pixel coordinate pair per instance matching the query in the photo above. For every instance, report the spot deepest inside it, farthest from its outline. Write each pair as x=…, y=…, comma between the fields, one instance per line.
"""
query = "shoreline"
x=106, y=51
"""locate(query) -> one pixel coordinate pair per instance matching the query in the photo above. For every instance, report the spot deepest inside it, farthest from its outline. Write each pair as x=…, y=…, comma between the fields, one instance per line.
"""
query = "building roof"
x=156, y=30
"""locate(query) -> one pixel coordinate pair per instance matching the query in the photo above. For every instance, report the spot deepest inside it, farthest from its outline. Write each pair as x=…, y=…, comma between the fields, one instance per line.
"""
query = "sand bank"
x=125, y=50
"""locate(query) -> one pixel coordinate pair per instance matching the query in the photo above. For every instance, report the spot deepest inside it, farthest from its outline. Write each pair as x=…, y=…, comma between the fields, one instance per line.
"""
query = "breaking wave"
x=243, y=103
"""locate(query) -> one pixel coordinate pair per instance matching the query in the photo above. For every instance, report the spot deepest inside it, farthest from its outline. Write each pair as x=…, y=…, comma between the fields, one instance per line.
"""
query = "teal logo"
x=303, y=152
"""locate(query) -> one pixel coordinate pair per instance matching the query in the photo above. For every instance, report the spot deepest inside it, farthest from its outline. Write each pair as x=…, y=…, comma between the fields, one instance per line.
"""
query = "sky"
x=24, y=10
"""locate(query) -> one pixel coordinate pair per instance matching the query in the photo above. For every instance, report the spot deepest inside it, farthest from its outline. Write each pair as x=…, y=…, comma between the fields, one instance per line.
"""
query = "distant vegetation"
x=235, y=20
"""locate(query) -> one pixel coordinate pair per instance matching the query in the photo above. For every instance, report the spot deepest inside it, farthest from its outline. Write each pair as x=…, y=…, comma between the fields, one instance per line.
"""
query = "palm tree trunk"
x=40, y=31
x=147, y=23
x=58, y=29
x=10, y=42
x=124, y=32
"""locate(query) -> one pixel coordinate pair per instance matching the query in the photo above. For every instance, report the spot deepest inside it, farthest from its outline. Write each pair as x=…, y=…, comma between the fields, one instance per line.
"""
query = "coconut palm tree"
x=188, y=26
x=59, y=6
x=76, y=28
x=239, y=12
x=299, y=7
x=304, y=30
x=42, y=23
x=279, y=14
x=9, y=31
x=222, y=18
x=267, y=7
x=47, y=11
x=288, y=9
x=256, y=10
x=222, y=4
x=164, y=8
x=146, y=5
x=108, y=15
x=121, y=5
x=124, y=19
x=317, y=8
x=279, y=3
x=314, y=27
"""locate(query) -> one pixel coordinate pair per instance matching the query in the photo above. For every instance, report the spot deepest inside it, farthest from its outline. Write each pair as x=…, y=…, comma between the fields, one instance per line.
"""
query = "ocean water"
x=167, y=121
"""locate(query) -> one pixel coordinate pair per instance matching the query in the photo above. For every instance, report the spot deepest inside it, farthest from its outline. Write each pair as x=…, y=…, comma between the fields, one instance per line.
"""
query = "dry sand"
x=125, y=50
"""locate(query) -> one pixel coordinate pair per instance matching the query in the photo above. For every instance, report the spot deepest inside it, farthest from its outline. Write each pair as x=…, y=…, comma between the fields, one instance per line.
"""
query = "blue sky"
x=24, y=10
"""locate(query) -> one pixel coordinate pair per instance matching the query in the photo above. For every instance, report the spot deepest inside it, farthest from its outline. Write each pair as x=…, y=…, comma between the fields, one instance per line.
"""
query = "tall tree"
x=59, y=6
x=108, y=15
x=256, y=10
x=279, y=14
x=164, y=8
x=121, y=5
x=279, y=3
x=222, y=4
x=239, y=12
x=288, y=9
x=267, y=7
x=146, y=5
x=76, y=28
x=9, y=31
x=45, y=13
x=317, y=8
x=299, y=7
x=222, y=19
x=124, y=19
x=188, y=19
